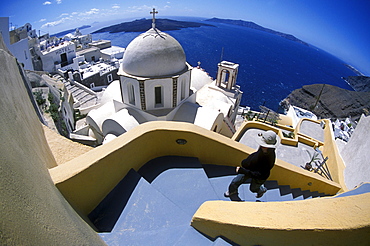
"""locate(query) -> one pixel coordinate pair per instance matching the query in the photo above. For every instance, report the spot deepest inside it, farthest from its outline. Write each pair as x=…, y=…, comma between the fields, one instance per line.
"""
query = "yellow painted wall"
x=87, y=179
x=329, y=149
x=33, y=212
x=298, y=137
x=320, y=221
x=335, y=162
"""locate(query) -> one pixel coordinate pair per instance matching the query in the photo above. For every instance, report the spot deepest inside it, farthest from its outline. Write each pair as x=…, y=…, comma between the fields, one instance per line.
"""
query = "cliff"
x=359, y=83
x=327, y=101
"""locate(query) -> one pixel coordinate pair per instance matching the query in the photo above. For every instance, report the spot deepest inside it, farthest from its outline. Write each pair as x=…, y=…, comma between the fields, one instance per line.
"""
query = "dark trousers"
x=256, y=184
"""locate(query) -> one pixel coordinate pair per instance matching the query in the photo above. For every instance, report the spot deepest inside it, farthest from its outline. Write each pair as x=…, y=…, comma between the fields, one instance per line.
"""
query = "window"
x=230, y=111
x=158, y=96
x=63, y=58
x=131, y=94
x=110, y=78
x=183, y=89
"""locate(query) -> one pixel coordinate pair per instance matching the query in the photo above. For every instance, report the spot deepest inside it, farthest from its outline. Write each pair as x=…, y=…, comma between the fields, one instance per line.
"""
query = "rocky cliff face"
x=328, y=101
x=359, y=83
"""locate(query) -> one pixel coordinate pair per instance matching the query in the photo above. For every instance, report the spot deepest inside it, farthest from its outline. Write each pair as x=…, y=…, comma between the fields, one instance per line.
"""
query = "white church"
x=157, y=84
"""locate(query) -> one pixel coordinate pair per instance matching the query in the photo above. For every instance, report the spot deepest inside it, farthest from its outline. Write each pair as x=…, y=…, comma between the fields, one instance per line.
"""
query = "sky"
x=340, y=27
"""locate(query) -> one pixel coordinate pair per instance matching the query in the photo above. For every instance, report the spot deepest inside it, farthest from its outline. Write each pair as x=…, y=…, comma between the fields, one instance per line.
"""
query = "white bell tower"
x=226, y=75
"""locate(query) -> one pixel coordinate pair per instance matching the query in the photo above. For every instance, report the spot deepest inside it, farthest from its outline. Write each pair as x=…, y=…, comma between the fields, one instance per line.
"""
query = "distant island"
x=253, y=25
x=143, y=25
x=59, y=34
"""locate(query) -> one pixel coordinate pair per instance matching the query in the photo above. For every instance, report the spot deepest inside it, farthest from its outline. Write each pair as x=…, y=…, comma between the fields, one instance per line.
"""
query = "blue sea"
x=270, y=67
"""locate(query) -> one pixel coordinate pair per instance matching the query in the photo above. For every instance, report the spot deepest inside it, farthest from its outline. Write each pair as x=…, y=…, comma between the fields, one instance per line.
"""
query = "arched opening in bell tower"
x=226, y=75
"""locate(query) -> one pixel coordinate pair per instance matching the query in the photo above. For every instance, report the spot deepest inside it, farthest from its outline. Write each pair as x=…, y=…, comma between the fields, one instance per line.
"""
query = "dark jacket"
x=259, y=164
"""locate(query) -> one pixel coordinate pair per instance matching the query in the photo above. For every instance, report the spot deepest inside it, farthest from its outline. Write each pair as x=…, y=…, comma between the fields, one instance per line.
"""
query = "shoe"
x=260, y=194
x=228, y=194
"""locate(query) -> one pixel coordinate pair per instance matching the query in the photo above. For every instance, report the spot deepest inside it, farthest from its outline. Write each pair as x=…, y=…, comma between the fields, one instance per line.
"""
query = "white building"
x=4, y=30
x=54, y=52
x=156, y=83
x=22, y=41
x=91, y=54
x=81, y=41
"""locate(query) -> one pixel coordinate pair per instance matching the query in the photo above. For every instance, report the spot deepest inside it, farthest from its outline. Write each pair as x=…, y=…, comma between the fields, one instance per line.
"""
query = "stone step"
x=183, y=181
x=74, y=89
x=221, y=183
x=193, y=237
x=222, y=242
x=144, y=211
x=155, y=205
x=298, y=194
x=220, y=178
x=249, y=196
x=158, y=237
x=361, y=189
x=273, y=195
x=271, y=184
x=315, y=194
x=106, y=214
x=87, y=98
x=306, y=194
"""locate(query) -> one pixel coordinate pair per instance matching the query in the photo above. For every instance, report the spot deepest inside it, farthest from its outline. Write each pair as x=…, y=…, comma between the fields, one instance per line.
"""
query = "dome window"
x=183, y=89
x=158, y=96
x=131, y=94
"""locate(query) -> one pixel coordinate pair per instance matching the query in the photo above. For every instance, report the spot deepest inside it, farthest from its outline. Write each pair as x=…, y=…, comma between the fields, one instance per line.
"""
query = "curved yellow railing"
x=323, y=221
x=87, y=179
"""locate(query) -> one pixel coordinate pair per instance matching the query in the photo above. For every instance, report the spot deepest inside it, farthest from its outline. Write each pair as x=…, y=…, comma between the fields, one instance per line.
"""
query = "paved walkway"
x=296, y=155
x=312, y=129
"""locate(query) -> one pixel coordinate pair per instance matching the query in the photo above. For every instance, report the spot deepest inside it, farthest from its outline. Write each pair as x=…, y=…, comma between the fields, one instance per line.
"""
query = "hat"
x=268, y=139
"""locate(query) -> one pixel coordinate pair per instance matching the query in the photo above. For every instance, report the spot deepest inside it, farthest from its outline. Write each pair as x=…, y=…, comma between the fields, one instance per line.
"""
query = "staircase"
x=81, y=94
x=155, y=205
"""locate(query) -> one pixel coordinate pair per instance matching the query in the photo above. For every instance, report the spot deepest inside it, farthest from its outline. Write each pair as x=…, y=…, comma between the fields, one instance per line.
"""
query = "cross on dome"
x=153, y=22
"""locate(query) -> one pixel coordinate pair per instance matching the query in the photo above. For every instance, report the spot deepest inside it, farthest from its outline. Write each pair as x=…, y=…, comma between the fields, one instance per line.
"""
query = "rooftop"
x=101, y=68
x=87, y=50
x=100, y=42
x=54, y=47
x=113, y=50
